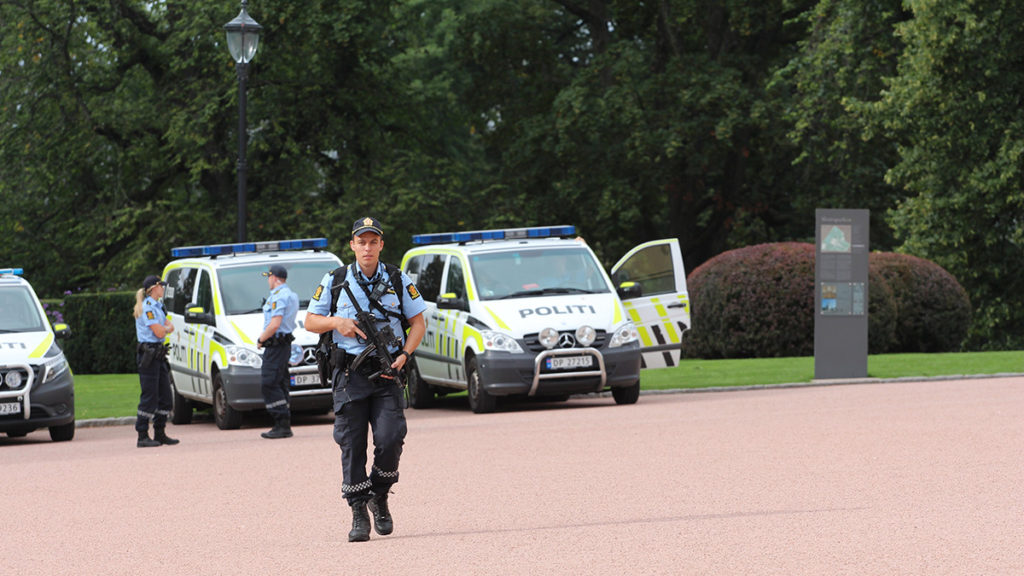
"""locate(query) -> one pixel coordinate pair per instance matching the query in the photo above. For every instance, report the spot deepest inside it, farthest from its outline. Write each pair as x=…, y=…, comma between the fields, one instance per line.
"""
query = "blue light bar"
x=248, y=247
x=505, y=234
x=15, y=271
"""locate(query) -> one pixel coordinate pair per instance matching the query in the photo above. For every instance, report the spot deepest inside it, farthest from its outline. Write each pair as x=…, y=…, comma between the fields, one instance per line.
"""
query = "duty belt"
x=278, y=339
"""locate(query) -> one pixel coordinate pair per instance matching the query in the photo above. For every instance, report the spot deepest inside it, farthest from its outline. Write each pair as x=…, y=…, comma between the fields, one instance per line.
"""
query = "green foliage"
x=933, y=309
x=104, y=337
x=954, y=110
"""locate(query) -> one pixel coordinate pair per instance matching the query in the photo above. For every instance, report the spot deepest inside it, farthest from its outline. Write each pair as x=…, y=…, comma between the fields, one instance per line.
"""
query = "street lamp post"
x=243, y=38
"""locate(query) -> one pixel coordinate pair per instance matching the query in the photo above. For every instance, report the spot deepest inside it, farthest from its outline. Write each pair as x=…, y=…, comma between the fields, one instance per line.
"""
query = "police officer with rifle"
x=374, y=314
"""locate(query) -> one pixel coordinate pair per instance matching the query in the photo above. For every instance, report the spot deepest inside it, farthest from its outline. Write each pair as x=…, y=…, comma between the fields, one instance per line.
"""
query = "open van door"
x=651, y=282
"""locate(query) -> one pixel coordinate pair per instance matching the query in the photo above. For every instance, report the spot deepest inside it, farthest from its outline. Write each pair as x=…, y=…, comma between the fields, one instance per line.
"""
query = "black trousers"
x=155, y=400
x=361, y=406
x=274, y=380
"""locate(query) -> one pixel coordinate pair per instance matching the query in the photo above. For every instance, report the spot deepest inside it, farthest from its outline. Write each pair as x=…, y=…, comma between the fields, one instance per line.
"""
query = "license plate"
x=10, y=408
x=568, y=362
x=306, y=380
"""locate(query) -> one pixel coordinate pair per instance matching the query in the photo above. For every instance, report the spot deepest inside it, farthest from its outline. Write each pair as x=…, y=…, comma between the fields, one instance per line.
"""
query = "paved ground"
x=893, y=478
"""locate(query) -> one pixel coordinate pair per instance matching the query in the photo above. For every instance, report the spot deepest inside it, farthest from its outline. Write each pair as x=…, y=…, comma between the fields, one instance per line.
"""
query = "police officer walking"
x=151, y=326
x=279, y=311
x=363, y=394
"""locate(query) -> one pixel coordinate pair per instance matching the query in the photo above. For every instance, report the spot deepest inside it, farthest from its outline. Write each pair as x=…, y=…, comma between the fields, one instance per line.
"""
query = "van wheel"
x=226, y=417
x=181, y=410
x=627, y=395
x=480, y=401
x=417, y=391
x=62, y=433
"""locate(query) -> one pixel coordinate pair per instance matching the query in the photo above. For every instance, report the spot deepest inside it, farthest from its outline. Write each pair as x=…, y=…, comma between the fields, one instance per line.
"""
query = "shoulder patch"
x=413, y=292
x=149, y=315
x=319, y=292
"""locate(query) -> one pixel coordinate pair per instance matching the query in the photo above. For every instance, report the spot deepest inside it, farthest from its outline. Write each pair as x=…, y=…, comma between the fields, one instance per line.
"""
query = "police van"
x=530, y=312
x=37, y=387
x=214, y=296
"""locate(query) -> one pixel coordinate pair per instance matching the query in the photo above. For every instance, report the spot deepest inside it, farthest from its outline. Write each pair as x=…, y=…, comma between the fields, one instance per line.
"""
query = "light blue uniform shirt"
x=282, y=302
x=152, y=313
x=412, y=304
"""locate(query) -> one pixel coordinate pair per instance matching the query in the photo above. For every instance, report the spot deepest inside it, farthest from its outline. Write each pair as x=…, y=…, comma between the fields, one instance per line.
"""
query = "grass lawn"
x=112, y=395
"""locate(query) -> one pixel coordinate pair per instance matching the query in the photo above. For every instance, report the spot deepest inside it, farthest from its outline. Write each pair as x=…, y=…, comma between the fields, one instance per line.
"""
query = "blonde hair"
x=139, y=297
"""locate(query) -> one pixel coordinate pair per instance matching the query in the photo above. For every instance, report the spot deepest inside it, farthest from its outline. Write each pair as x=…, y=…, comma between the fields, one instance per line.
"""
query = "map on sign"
x=835, y=238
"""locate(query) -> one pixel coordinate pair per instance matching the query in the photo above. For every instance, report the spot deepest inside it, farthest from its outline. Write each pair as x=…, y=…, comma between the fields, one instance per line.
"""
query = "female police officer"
x=151, y=326
x=360, y=399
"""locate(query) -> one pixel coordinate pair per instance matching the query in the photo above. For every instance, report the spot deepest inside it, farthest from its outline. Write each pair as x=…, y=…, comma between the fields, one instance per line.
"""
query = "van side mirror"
x=629, y=290
x=61, y=330
x=449, y=301
x=195, y=314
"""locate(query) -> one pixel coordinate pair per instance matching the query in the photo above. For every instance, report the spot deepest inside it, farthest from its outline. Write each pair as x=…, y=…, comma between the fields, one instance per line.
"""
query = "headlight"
x=55, y=363
x=624, y=335
x=500, y=341
x=13, y=379
x=242, y=356
x=55, y=367
x=586, y=335
x=548, y=338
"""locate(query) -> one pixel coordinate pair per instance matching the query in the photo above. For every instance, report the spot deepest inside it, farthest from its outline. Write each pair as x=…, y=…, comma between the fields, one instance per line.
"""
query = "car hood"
x=251, y=325
x=561, y=312
x=22, y=346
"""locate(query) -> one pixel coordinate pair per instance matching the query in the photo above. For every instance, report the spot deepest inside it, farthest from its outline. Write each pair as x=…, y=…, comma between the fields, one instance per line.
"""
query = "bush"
x=758, y=302
x=753, y=302
x=104, y=332
x=933, y=310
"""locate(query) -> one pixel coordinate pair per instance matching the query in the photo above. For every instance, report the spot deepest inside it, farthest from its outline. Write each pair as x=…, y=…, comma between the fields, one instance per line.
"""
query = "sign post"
x=841, y=294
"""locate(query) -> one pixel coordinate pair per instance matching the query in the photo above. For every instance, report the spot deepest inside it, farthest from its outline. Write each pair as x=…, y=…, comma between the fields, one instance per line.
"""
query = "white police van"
x=37, y=387
x=530, y=312
x=214, y=296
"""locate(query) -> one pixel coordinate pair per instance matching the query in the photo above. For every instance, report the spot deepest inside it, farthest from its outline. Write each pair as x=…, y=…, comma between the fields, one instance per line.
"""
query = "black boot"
x=360, y=523
x=145, y=441
x=282, y=428
x=378, y=505
x=160, y=435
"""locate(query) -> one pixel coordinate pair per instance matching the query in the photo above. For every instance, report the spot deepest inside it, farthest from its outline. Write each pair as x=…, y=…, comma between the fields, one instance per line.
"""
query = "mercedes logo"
x=309, y=356
x=566, y=340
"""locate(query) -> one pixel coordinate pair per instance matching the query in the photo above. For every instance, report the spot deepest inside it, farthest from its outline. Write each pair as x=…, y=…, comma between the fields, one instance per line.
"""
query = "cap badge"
x=367, y=221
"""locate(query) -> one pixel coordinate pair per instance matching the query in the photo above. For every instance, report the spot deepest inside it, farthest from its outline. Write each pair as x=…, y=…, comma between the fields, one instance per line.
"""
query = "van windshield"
x=18, y=311
x=523, y=273
x=244, y=290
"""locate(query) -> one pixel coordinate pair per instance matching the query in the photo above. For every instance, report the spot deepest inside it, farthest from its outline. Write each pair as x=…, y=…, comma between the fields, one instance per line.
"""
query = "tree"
x=955, y=111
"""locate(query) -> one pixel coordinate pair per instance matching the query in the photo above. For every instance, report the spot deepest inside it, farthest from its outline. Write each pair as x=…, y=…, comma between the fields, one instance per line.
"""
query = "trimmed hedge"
x=103, y=331
x=758, y=301
x=934, y=311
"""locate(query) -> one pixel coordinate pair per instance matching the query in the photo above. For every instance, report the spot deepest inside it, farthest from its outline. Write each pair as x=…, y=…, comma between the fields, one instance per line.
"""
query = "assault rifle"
x=379, y=340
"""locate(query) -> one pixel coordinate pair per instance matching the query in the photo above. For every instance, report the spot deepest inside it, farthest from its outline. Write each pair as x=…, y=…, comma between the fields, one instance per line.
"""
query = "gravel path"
x=889, y=478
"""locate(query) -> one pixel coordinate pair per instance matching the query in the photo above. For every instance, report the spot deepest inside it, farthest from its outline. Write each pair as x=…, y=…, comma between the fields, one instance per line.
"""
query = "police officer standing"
x=362, y=395
x=279, y=311
x=151, y=326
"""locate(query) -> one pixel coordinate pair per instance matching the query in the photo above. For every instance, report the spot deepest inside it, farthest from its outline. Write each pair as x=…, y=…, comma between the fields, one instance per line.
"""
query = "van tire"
x=627, y=395
x=63, y=433
x=418, y=392
x=480, y=402
x=226, y=417
x=181, y=409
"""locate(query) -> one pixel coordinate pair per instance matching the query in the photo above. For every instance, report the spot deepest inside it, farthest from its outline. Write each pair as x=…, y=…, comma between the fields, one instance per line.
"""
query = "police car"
x=36, y=384
x=214, y=297
x=530, y=312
